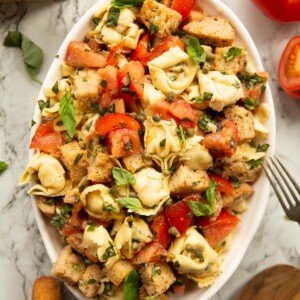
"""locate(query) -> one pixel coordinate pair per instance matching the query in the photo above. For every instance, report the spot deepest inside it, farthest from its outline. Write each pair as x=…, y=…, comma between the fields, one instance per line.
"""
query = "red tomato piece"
x=224, y=186
x=115, y=121
x=113, y=56
x=152, y=252
x=160, y=227
x=216, y=231
x=184, y=7
x=179, y=110
x=123, y=142
x=79, y=54
x=141, y=52
x=109, y=74
x=179, y=289
x=289, y=68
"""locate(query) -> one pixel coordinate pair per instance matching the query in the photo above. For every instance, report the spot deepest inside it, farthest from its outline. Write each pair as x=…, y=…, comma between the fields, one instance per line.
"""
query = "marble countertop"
x=22, y=254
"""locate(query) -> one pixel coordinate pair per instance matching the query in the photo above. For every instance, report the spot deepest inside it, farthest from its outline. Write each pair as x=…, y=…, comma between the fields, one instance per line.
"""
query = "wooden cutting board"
x=280, y=282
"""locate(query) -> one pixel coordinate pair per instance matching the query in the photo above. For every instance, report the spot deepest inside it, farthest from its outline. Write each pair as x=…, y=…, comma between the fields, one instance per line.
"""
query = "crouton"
x=75, y=159
x=244, y=192
x=133, y=162
x=241, y=170
x=68, y=266
x=232, y=65
x=46, y=288
x=46, y=205
x=215, y=31
x=144, y=295
x=90, y=282
x=100, y=168
x=187, y=181
x=118, y=272
x=86, y=89
x=244, y=121
x=156, y=15
x=156, y=277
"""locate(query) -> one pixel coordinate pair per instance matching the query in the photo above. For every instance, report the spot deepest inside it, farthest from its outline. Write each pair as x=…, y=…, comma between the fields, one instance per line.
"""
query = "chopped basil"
x=262, y=89
x=122, y=176
x=204, y=122
x=131, y=286
x=96, y=20
x=50, y=201
x=232, y=53
x=91, y=228
x=95, y=106
x=109, y=208
x=78, y=158
x=187, y=120
x=76, y=267
x=173, y=78
x=156, y=270
x=55, y=88
x=180, y=133
x=108, y=287
x=103, y=83
x=61, y=218
x=85, y=79
x=237, y=85
x=196, y=183
x=177, y=264
x=235, y=182
x=153, y=28
x=174, y=231
x=254, y=163
x=128, y=146
x=250, y=103
x=88, y=126
x=194, y=50
x=3, y=166
x=123, y=125
x=67, y=113
x=170, y=97
x=43, y=104
x=262, y=148
x=113, y=17
x=131, y=203
x=251, y=80
x=90, y=281
x=207, y=96
x=109, y=252
x=126, y=3
x=162, y=143
x=197, y=99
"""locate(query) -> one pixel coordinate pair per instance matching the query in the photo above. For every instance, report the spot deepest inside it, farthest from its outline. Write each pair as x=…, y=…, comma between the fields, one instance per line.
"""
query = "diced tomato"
x=123, y=142
x=109, y=74
x=115, y=121
x=93, y=44
x=179, y=110
x=216, y=231
x=152, y=252
x=160, y=227
x=224, y=186
x=179, y=289
x=79, y=54
x=130, y=81
x=46, y=139
x=184, y=7
x=113, y=56
x=289, y=68
x=141, y=52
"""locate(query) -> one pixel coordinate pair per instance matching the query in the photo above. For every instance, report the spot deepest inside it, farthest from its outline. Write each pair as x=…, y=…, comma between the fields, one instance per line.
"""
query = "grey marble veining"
x=22, y=254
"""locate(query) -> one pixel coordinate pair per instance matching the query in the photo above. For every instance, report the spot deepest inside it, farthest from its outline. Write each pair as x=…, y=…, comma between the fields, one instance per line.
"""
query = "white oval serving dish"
x=250, y=219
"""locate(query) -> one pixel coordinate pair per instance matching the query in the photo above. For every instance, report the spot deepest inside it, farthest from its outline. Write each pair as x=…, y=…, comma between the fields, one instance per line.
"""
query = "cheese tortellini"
x=98, y=241
x=50, y=174
x=150, y=97
x=173, y=71
x=223, y=90
x=132, y=236
x=192, y=255
x=86, y=134
x=99, y=203
x=152, y=190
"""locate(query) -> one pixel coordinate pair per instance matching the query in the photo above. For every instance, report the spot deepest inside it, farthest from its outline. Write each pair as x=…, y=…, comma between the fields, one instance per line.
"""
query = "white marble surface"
x=22, y=254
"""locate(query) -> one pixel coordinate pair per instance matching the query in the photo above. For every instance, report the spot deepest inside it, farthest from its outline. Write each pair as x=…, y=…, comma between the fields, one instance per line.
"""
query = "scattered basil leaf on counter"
x=232, y=53
x=131, y=286
x=153, y=28
x=113, y=17
x=131, y=203
x=32, y=54
x=126, y=3
x=122, y=176
x=67, y=113
x=254, y=163
x=3, y=166
x=262, y=148
x=194, y=50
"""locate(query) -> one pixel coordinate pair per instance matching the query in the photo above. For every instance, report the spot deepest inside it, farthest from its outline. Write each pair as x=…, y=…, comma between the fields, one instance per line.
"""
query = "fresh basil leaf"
x=173, y=78
x=210, y=192
x=3, y=166
x=207, y=96
x=162, y=143
x=194, y=50
x=122, y=176
x=197, y=99
x=180, y=133
x=13, y=39
x=262, y=148
x=126, y=3
x=131, y=203
x=103, y=83
x=250, y=103
x=153, y=28
x=131, y=286
x=204, y=122
x=232, y=53
x=235, y=182
x=43, y=104
x=236, y=84
x=55, y=88
x=67, y=113
x=200, y=209
x=254, y=163
x=78, y=158
x=113, y=17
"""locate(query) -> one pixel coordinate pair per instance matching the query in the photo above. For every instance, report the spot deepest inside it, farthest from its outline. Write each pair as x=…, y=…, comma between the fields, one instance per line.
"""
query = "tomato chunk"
x=216, y=231
x=79, y=54
x=179, y=289
x=184, y=7
x=160, y=227
x=141, y=52
x=74, y=224
x=114, y=53
x=152, y=252
x=224, y=186
x=123, y=142
x=115, y=121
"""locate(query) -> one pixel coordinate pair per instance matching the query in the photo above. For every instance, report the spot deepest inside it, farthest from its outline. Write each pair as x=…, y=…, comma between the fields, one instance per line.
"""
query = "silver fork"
x=285, y=187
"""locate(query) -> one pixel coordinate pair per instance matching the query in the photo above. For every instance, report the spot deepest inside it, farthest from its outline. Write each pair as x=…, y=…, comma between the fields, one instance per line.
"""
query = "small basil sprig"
x=131, y=203
x=194, y=50
x=67, y=113
x=131, y=286
x=232, y=53
x=3, y=166
x=122, y=177
x=126, y=3
x=32, y=54
x=113, y=17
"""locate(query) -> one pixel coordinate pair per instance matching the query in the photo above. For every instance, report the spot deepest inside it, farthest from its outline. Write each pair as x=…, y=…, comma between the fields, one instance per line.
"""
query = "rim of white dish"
x=79, y=30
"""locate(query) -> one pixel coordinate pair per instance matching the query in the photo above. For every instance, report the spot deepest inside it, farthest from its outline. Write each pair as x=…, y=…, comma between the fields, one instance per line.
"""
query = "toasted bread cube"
x=133, y=162
x=231, y=66
x=157, y=277
x=244, y=120
x=46, y=207
x=144, y=295
x=90, y=282
x=46, y=288
x=215, y=31
x=68, y=266
x=75, y=159
x=118, y=272
x=165, y=19
x=186, y=181
x=244, y=192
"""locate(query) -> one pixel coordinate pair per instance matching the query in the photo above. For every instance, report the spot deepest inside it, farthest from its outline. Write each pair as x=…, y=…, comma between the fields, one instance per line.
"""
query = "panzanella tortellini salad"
x=147, y=148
